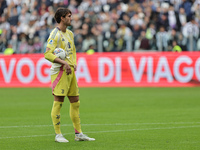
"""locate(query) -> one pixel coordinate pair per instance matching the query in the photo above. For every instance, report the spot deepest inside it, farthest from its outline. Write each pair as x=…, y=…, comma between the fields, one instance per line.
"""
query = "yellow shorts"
x=64, y=85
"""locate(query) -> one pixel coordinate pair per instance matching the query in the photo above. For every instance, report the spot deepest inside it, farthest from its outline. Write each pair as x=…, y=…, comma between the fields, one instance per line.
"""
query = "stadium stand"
x=106, y=25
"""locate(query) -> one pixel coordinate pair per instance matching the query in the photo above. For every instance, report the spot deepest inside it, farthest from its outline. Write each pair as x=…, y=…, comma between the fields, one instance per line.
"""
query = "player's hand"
x=68, y=68
x=75, y=67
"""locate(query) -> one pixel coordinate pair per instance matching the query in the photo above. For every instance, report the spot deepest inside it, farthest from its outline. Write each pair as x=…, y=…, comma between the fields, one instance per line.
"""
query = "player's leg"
x=75, y=117
x=59, y=91
x=74, y=113
x=55, y=115
x=73, y=95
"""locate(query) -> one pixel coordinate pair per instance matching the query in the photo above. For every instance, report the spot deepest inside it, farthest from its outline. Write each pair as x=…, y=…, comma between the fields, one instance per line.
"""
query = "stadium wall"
x=123, y=69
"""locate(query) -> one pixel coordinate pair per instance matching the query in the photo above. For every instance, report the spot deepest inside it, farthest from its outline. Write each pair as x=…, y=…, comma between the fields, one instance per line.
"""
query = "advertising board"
x=121, y=69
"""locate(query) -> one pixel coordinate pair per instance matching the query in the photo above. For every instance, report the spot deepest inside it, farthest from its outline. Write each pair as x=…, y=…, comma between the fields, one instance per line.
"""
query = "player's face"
x=68, y=19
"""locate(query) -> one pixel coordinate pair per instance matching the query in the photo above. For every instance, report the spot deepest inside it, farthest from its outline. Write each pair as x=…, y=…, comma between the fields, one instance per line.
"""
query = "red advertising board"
x=121, y=69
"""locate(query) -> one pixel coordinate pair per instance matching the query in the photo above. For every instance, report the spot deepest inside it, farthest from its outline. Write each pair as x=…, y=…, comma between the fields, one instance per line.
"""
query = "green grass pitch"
x=118, y=118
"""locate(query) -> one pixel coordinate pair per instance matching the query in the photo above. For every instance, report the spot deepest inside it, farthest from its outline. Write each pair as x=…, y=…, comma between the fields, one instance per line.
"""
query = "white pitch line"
x=112, y=124
x=181, y=127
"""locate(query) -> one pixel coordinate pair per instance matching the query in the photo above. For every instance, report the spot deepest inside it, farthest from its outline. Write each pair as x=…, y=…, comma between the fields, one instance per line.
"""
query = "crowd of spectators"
x=115, y=25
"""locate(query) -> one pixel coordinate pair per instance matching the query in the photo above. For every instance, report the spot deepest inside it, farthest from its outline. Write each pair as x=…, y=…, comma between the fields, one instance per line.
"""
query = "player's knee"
x=73, y=99
x=75, y=105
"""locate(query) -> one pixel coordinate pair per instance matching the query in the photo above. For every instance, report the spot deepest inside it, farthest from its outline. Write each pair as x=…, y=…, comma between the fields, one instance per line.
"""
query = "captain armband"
x=49, y=56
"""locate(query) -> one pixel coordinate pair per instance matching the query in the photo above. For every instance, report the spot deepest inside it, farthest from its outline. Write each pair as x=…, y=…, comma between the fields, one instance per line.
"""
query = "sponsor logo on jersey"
x=51, y=42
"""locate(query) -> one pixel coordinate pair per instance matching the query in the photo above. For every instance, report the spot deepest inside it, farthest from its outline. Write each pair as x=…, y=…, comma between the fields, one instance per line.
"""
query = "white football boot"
x=83, y=137
x=59, y=138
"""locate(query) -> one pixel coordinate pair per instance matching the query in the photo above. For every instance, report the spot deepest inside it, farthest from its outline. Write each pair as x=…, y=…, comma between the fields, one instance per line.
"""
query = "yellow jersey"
x=64, y=40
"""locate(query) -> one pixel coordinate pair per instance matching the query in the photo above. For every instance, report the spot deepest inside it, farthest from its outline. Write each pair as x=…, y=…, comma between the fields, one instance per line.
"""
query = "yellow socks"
x=74, y=114
x=55, y=115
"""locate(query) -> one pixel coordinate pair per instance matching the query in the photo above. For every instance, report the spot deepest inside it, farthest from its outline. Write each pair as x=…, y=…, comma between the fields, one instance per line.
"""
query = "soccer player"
x=63, y=78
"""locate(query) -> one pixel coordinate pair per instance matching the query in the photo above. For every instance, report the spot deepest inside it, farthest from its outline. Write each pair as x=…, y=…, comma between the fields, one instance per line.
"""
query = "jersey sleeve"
x=52, y=43
x=53, y=40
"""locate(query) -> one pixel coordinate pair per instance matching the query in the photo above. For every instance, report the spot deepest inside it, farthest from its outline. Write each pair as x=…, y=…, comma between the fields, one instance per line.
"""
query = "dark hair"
x=61, y=12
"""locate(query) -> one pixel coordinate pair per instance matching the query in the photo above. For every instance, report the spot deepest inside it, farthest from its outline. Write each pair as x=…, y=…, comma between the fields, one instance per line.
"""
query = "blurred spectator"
x=182, y=42
x=14, y=38
x=191, y=34
x=181, y=19
x=163, y=21
x=176, y=4
x=110, y=38
x=4, y=26
x=196, y=10
x=106, y=22
x=84, y=5
x=76, y=22
x=125, y=17
x=136, y=30
x=30, y=46
x=186, y=5
x=73, y=6
x=88, y=42
x=150, y=35
x=23, y=46
x=91, y=50
x=42, y=32
x=162, y=39
x=3, y=5
x=43, y=8
x=173, y=36
x=144, y=43
x=132, y=7
x=113, y=14
x=172, y=18
x=113, y=4
x=24, y=16
x=124, y=35
x=176, y=48
x=36, y=5
x=85, y=30
x=97, y=28
x=9, y=50
x=58, y=3
x=97, y=7
x=13, y=16
x=136, y=20
x=78, y=41
x=50, y=17
x=2, y=41
x=37, y=44
x=103, y=2
x=32, y=27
